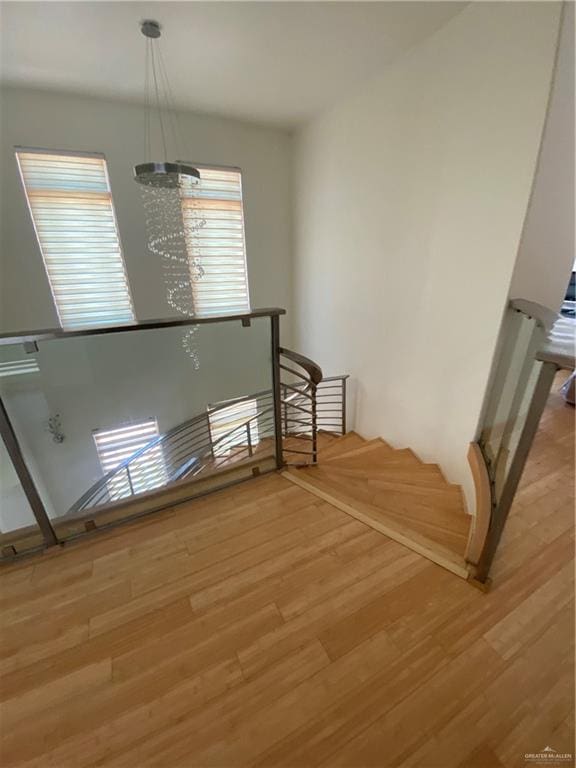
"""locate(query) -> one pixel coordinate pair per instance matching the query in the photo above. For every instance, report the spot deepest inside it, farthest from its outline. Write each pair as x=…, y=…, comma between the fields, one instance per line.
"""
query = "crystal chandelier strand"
x=172, y=237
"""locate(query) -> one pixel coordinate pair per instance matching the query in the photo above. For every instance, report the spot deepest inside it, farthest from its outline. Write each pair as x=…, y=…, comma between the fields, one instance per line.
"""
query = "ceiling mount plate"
x=150, y=28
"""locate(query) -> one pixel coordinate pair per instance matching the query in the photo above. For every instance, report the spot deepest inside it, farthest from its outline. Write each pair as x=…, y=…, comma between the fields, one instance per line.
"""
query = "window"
x=233, y=417
x=71, y=206
x=218, y=245
x=120, y=443
x=18, y=367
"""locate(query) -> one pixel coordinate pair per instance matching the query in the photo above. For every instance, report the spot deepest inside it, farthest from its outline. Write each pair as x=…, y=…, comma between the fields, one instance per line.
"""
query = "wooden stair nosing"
x=376, y=457
x=369, y=446
x=438, y=554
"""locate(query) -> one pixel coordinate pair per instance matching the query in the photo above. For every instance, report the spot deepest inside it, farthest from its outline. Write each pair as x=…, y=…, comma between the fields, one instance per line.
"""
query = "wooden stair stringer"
x=375, y=519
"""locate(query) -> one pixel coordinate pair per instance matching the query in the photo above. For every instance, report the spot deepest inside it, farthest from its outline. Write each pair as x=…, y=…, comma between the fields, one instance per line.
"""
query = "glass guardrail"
x=106, y=422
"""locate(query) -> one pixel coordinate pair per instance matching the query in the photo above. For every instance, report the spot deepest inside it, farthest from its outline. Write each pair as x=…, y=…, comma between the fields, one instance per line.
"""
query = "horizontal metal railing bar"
x=200, y=419
x=240, y=426
x=343, y=377
x=299, y=392
x=119, y=495
x=18, y=337
x=183, y=470
x=294, y=420
x=222, y=404
x=104, y=483
x=292, y=404
x=294, y=373
x=219, y=421
x=303, y=453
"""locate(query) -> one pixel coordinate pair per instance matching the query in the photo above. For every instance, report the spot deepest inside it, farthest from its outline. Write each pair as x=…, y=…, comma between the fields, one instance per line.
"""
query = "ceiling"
x=271, y=62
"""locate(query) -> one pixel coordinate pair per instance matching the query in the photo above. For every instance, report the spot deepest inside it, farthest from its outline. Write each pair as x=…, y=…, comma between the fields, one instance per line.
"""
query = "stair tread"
x=424, y=475
x=404, y=531
x=368, y=447
x=445, y=493
x=345, y=443
x=439, y=515
x=374, y=456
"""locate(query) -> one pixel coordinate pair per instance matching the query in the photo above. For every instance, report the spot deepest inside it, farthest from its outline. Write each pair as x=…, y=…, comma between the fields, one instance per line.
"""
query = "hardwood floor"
x=262, y=626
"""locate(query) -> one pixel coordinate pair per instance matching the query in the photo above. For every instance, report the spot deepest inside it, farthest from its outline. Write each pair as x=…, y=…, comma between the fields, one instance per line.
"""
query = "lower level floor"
x=262, y=626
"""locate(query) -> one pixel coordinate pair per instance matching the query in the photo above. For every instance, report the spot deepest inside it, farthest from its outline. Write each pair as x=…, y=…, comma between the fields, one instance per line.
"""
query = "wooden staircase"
x=395, y=493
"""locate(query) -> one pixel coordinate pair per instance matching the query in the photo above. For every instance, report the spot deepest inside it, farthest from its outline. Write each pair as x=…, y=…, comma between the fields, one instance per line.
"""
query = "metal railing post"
x=276, y=391
x=28, y=486
x=249, y=439
x=285, y=414
x=314, y=426
x=344, y=405
x=130, y=481
x=502, y=508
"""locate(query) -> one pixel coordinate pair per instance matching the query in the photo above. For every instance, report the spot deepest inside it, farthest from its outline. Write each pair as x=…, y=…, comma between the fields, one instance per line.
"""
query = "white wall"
x=546, y=255
x=410, y=198
x=60, y=121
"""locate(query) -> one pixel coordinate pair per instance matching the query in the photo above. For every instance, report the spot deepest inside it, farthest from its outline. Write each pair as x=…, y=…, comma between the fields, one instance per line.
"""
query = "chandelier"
x=164, y=184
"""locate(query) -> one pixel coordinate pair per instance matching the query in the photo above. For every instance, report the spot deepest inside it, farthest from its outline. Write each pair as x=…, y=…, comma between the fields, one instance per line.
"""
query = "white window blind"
x=120, y=443
x=71, y=206
x=231, y=419
x=18, y=367
x=219, y=244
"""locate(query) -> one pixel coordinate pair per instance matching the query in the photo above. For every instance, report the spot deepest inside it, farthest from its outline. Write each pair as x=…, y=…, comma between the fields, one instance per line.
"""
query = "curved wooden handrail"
x=312, y=369
x=481, y=520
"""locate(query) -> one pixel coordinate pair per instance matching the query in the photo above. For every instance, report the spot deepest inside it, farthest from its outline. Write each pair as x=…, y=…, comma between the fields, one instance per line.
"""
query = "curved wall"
x=410, y=199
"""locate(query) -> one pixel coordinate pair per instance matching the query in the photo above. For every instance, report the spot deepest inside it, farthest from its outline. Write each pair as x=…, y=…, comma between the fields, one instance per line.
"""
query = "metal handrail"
x=200, y=419
x=504, y=465
x=200, y=452
x=21, y=337
x=199, y=423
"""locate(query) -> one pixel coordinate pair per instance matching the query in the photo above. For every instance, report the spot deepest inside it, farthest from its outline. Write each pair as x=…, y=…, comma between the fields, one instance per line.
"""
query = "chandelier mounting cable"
x=173, y=219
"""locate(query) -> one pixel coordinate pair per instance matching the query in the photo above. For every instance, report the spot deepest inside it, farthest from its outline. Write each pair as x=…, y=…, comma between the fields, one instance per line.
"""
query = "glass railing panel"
x=520, y=339
x=512, y=435
x=19, y=531
x=126, y=416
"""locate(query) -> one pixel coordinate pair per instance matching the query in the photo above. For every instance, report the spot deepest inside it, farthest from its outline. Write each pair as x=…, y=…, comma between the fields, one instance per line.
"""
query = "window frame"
x=232, y=169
